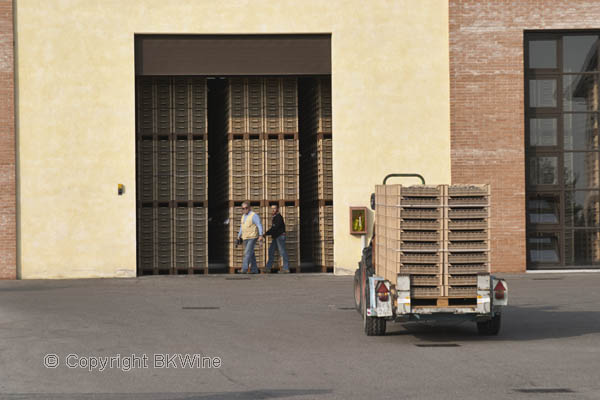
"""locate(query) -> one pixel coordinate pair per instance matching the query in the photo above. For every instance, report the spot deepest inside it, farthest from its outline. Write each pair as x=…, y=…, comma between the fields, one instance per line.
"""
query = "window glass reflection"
x=542, y=93
x=542, y=54
x=581, y=131
x=543, y=248
x=543, y=208
x=580, y=53
x=582, y=208
x=582, y=170
x=542, y=132
x=582, y=247
x=580, y=93
x=543, y=170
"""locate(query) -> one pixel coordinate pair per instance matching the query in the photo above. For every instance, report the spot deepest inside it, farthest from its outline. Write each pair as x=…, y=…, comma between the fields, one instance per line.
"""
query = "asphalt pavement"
x=286, y=337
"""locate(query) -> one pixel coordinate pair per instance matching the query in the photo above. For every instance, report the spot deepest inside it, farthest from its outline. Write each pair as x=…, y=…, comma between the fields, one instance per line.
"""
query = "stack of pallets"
x=323, y=243
x=409, y=236
x=439, y=235
x=261, y=126
x=171, y=175
x=317, y=171
x=468, y=238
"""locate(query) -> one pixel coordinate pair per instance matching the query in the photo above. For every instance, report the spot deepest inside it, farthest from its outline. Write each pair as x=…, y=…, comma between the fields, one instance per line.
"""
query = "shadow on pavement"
x=518, y=324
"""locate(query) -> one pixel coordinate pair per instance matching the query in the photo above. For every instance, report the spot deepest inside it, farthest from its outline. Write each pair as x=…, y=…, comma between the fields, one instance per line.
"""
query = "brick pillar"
x=486, y=118
x=8, y=220
x=487, y=103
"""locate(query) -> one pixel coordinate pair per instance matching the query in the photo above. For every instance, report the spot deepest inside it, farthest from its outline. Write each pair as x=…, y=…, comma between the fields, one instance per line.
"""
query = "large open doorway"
x=206, y=143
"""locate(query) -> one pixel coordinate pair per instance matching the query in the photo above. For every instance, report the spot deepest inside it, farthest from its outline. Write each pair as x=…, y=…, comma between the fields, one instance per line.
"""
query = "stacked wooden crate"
x=273, y=184
x=317, y=173
x=243, y=120
x=282, y=163
x=171, y=175
x=409, y=236
x=323, y=243
x=439, y=235
x=468, y=238
x=261, y=126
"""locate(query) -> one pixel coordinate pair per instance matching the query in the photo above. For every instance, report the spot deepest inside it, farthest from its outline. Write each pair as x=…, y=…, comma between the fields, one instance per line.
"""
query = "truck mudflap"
x=380, y=298
x=484, y=305
x=403, y=294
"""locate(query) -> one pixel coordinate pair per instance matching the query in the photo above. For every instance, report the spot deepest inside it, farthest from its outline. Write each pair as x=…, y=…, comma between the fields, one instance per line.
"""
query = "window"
x=562, y=96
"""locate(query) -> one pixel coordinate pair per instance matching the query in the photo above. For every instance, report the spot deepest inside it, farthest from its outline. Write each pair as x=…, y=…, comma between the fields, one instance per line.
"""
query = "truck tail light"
x=499, y=291
x=383, y=294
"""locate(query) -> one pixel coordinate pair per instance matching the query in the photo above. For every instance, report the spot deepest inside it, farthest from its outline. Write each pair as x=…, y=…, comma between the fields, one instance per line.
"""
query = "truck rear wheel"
x=490, y=327
x=373, y=326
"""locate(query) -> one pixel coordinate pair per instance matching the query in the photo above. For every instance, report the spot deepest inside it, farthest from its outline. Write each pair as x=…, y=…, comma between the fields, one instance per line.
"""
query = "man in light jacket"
x=251, y=230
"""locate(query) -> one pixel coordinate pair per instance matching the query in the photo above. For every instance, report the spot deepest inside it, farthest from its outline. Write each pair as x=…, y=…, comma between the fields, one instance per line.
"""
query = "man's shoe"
x=267, y=271
x=254, y=272
x=284, y=271
x=240, y=271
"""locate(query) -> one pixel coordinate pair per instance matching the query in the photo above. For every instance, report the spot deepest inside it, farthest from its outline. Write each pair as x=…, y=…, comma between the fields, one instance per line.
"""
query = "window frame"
x=560, y=189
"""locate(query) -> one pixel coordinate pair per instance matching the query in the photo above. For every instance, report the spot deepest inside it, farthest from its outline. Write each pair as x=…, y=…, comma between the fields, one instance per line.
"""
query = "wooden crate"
x=419, y=269
x=469, y=258
x=460, y=291
x=468, y=190
x=420, y=292
x=426, y=280
x=468, y=224
x=468, y=246
x=455, y=269
x=461, y=280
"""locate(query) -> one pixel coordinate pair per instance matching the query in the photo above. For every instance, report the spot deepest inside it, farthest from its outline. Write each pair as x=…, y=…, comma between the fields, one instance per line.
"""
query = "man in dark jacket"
x=277, y=233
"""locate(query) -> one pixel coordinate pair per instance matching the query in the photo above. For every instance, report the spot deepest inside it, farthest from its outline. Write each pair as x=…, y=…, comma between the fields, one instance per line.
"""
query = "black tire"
x=367, y=260
x=373, y=326
x=490, y=327
x=357, y=291
x=361, y=276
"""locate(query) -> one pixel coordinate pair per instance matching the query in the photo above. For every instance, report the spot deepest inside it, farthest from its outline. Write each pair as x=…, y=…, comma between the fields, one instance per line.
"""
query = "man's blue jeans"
x=278, y=243
x=249, y=257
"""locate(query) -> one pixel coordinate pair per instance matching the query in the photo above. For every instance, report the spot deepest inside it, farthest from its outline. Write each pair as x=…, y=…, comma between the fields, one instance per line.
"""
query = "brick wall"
x=8, y=222
x=487, y=104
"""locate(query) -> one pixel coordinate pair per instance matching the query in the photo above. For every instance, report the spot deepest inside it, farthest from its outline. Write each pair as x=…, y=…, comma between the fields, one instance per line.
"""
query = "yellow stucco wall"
x=77, y=119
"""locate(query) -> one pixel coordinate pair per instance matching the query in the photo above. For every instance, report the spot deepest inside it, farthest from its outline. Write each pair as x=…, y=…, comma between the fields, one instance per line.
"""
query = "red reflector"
x=499, y=291
x=382, y=292
x=381, y=288
x=499, y=287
